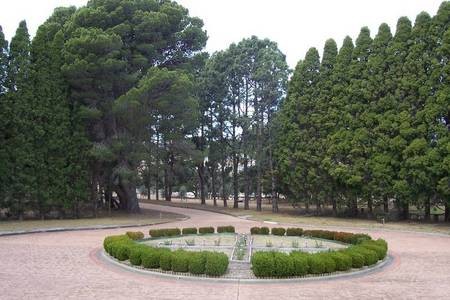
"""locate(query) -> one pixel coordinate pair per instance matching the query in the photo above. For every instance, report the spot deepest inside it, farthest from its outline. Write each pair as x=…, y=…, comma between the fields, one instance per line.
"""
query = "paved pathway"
x=64, y=265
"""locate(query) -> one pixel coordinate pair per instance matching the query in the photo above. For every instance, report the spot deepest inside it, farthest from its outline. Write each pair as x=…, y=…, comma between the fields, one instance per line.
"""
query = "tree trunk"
x=127, y=194
x=354, y=206
x=247, y=184
x=224, y=196
x=447, y=212
x=427, y=208
x=93, y=191
x=235, y=181
x=201, y=176
x=259, y=160
x=272, y=181
x=213, y=185
x=405, y=211
x=370, y=205
x=385, y=204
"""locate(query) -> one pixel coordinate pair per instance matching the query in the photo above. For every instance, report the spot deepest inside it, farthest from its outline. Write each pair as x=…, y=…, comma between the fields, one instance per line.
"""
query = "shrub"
x=260, y=230
x=136, y=253
x=109, y=240
x=322, y=234
x=377, y=247
x=294, y=231
x=357, y=258
x=122, y=250
x=359, y=238
x=284, y=265
x=278, y=231
x=330, y=265
x=344, y=237
x=135, y=235
x=180, y=261
x=300, y=263
x=343, y=261
x=254, y=230
x=154, y=233
x=173, y=231
x=190, y=230
x=216, y=263
x=197, y=262
x=370, y=256
x=205, y=230
x=151, y=257
x=316, y=264
x=263, y=264
x=165, y=261
x=221, y=229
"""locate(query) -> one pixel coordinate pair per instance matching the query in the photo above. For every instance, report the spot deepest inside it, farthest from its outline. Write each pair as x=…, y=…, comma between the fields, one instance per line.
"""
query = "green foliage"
x=197, y=262
x=216, y=264
x=154, y=233
x=278, y=231
x=165, y=260
x=260, y=230
x=206, y=230
x=263, y=264
x=228, y=228
x=300, y=263
x=135, y=235
x=189, y=230
x=294, y=231
x=180, y=261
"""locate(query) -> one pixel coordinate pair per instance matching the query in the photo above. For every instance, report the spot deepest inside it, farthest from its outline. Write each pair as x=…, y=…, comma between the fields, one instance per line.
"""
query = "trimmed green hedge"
x=135, y=235
x=190, y=230
x=205, y=230
x=259, y=230
x=221, y=229
x=294, y=231
x=278, y=231
x=364, y=252
x=154, y=233
x=122, y=248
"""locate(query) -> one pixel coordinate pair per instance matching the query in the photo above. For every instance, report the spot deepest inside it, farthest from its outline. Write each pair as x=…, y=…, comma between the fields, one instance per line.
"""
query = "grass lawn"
x=117, y=218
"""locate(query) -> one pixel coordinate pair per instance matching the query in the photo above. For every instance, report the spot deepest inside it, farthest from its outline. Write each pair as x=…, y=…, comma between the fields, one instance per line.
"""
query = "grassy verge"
x=290, y=218
x=117, y=218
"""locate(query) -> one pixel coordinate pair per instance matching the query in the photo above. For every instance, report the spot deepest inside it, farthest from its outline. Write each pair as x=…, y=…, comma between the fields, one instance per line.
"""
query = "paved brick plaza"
x=64, y=265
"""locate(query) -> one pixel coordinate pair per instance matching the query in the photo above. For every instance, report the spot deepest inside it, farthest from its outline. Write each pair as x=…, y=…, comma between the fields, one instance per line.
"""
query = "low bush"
x=190, y=230
x=278, y=231
x=205, y=230
x=180, y=261
x=222, y=229
x=300, y=263
x=284, y=265
x=135, y=235
x=370, y=256
x=136, y=254
x=216, y=263
x=165, y=261
x=197, y=262
x=359, y=238
x=109, y=240
x=316, y=264
x=330, y=265
x=263, y=264
x=343, y=261
x=294, y=232
x=122, y=250
x=357, y=258
x=375, y=246
x=259, y=230
x=155, y=233
x=151, y=257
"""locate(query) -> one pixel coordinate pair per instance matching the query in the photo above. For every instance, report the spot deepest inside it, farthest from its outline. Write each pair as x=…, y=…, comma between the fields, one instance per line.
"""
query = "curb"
x=98, y=227
x=101, y=255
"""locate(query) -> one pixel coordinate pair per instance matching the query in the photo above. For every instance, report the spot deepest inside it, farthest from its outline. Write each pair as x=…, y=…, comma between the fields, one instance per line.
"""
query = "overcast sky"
x=294, y=25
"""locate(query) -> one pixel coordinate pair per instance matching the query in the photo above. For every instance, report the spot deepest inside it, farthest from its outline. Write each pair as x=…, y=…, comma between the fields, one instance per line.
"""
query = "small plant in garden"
x=190, y=242
x=269, y=244
x=217, y=242
x=167, y=243
x=294, y=244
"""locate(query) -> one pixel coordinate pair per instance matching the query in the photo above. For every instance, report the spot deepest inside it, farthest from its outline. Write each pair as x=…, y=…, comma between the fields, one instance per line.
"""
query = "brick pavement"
x=63, y=265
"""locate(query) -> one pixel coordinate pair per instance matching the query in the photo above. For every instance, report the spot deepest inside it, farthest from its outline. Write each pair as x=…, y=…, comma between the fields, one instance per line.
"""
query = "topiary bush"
x=316, y=264
x=190, y=230
x=370, y=256
x=278, y=231
x=173, y=231
x=222, y=229
x=180, y=261
x=300, y=263
x=205, y=230
x=260, y=230
x=357, y=258
x=151, y=257
x=122, y=250
x=135, y=235
x=165, y=261
x=155, y=233
x=197, y=262
x=263, y=264
x=136, y=253
x=330, y=265
x=294, y=231
x=343, y=261
x=284, y=265
x=216, y=263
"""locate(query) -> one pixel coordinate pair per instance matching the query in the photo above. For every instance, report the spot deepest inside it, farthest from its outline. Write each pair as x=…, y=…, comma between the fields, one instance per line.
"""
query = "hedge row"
x=123, y=248
x=345, y=237
x=168, y=232
x=135, y=235
x=278, y=264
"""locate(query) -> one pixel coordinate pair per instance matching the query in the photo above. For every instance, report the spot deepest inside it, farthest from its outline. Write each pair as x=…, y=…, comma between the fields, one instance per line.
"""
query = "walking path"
x=65, y=265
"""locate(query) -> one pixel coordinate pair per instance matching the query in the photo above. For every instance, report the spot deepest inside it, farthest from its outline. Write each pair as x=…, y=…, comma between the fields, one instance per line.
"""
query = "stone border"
x=104, y=257
x=96, y=227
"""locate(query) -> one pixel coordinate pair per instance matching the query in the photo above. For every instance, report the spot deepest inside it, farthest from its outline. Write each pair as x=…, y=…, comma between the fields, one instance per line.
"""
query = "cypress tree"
x=4, y=163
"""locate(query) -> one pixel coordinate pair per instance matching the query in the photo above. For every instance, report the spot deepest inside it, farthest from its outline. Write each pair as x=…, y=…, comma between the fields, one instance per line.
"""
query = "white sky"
x=294, y=24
